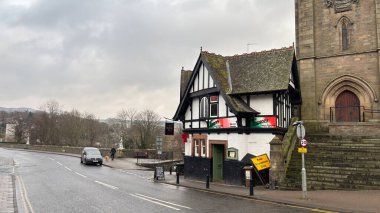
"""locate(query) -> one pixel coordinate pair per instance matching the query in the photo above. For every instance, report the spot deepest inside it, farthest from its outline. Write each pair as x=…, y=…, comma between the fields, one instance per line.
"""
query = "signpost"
x=301, y=135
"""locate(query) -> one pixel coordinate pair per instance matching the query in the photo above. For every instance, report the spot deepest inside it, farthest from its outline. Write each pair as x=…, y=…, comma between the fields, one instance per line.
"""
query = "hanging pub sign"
x=169, y=128
x=184, y=137
x=264, y=122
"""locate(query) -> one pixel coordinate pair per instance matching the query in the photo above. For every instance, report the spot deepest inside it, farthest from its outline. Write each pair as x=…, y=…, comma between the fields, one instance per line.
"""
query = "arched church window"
x=345, y=39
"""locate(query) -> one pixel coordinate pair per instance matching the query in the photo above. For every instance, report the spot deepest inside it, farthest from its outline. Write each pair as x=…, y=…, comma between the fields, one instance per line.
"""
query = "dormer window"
x=203, y=108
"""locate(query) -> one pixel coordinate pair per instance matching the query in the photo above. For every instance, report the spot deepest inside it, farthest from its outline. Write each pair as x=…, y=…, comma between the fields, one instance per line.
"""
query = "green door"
x=217, y=162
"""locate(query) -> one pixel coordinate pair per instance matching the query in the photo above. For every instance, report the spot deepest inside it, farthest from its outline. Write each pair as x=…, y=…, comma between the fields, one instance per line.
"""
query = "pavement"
x=7, y=189
x=319, y=201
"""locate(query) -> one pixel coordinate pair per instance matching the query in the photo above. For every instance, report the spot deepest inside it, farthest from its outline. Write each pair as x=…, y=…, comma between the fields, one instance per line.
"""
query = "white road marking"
x=186, y=207
x=59, y=163
x=161, y=204
x=24, y=195
x=68, y=168
x=51, y=159
x=106, y=185
x=81, y=174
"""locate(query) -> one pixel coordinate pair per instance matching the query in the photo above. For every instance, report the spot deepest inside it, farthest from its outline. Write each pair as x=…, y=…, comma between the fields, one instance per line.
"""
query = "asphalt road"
x=57, y=183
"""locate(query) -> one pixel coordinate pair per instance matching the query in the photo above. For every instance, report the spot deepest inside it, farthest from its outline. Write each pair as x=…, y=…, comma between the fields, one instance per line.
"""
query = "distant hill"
x=20, y=109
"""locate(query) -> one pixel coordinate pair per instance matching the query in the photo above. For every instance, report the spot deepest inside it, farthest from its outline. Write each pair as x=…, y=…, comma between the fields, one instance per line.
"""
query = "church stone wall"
x=320, y=55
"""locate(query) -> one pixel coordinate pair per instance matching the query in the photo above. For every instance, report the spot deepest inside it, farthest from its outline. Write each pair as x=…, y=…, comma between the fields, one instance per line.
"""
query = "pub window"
x=203, y=108
x=213, y=106
x=196, y=148
x=203, y=148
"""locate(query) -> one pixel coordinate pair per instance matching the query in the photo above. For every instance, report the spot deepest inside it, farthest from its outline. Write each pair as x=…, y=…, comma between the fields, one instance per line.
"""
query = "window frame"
x=204, y=107
x=203, y=147
x=214, y=103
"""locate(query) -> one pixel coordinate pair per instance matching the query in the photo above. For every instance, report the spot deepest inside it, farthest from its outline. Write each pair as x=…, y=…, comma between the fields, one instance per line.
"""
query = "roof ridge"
x=274, y=50
x=264, y=52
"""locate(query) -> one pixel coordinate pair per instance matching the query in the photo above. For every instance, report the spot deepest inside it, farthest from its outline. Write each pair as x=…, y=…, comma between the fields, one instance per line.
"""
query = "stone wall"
x=322, y=60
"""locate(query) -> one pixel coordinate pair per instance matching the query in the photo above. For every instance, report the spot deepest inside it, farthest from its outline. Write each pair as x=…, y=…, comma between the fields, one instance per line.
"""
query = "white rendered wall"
x=195, y=111
x=188, y=146
x=222, y=107
x=262, y=104
x=255, y=144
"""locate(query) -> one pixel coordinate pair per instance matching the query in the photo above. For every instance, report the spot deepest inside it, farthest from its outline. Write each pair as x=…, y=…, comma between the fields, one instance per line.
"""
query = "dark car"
x=91, y=155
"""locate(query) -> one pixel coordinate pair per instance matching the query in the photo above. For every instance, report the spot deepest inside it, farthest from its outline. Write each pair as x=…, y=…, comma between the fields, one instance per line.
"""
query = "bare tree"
x=52, y=109
x=125, y=128
x=91, y=128
x=147, y=123
x=70, y=128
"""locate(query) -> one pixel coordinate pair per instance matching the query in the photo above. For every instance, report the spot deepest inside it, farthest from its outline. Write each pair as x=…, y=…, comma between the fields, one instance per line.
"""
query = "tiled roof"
x=261, y=72
x=257, y=72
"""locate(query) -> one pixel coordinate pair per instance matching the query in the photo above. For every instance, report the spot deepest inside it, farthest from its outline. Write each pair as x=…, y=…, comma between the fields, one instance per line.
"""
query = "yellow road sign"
x=261, y=162
x=302, y=150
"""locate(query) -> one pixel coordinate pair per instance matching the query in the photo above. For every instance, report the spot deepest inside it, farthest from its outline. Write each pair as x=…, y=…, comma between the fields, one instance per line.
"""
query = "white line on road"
x=186, y=207
x=161, y=204
x=107, y=185
x=59, y=163
x=68, y=168
x=51, y=159
x=81, y=174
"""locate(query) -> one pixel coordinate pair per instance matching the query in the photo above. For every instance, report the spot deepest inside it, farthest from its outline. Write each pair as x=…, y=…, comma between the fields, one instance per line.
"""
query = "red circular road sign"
x=303, y=143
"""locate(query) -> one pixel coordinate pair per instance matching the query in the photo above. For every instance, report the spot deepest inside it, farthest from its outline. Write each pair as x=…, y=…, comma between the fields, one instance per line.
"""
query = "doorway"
x=347, y=107
x=217, y=162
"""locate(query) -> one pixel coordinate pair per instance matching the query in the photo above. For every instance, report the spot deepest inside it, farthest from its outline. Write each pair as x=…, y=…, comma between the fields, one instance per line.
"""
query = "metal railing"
x=355, y=114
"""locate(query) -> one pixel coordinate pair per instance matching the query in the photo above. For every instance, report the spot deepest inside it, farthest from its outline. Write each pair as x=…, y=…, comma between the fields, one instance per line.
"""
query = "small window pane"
x=203, y=109
x=214, y=109
x=197, y=148
x=203, y=144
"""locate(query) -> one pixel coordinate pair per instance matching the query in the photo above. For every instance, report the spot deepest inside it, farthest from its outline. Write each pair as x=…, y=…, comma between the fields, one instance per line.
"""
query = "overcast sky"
x=99, y=56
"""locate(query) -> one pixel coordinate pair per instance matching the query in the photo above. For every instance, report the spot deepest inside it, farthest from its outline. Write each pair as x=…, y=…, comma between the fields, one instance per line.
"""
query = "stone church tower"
x=337, y=47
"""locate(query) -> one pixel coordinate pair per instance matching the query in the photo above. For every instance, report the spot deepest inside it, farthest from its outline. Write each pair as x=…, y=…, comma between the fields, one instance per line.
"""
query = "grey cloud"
x=112, y=52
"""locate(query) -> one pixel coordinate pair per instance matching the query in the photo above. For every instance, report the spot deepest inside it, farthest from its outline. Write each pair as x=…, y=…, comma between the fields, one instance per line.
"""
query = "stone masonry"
x=325, y=68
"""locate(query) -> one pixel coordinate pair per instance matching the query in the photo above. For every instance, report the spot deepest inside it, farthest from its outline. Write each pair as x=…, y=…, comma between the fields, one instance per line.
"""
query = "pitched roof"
x=257, y=72
x=261, y=72
x=218, y=69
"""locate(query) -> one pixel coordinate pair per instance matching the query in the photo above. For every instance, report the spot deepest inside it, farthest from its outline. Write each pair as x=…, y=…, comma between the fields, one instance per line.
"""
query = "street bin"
x=248, y=174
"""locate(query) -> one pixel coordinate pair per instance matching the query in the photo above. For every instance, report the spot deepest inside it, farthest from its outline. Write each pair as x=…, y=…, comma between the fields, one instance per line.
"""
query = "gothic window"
x=345, y=39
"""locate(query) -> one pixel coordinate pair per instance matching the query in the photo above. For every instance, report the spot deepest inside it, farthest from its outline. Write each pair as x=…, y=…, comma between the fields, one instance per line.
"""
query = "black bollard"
x=207, y=181
x=251, y=186
x=177, y=177
x=155, y=175
x=170, y=170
